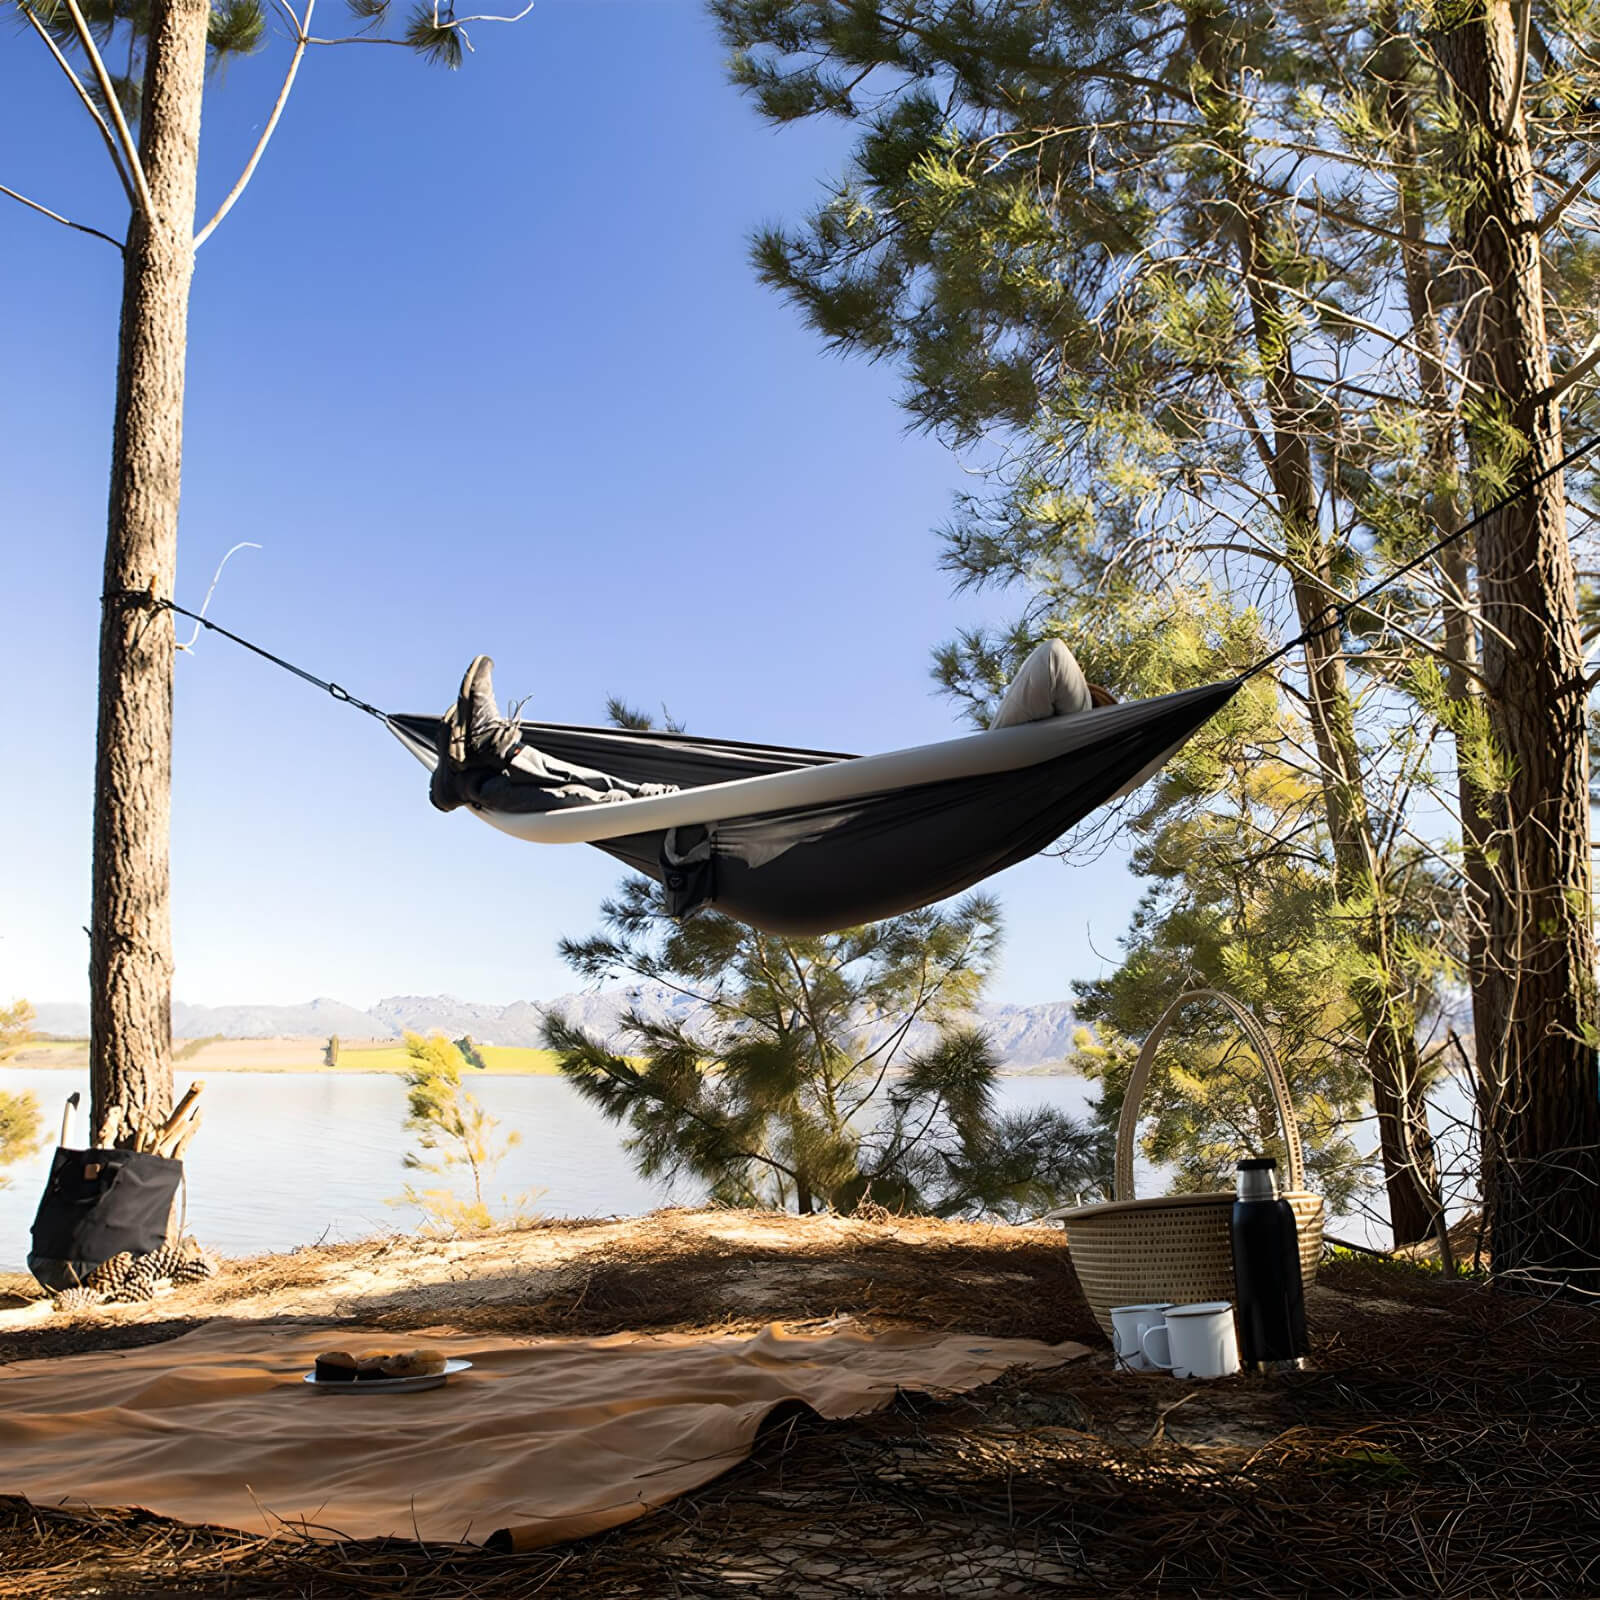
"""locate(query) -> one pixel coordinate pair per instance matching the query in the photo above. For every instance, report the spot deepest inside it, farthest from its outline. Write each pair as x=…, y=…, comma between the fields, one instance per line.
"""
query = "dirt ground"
x=1446, y=1440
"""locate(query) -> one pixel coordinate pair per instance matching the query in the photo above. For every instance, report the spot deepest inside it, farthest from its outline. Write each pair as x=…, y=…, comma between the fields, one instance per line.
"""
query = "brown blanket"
x=543, y=1440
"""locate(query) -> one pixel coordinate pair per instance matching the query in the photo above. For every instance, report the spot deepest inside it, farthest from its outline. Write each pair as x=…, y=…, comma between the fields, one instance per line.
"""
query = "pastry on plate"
x=369, y=1368
x=336, y=1366
x=414, y=1364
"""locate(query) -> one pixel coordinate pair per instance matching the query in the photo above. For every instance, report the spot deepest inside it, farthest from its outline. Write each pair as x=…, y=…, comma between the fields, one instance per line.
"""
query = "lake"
x=291, y=1158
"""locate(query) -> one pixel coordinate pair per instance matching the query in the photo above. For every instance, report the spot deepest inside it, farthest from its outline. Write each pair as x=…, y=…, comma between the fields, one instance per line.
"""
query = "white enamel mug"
x=1196, y=1341
x=1131, y=1324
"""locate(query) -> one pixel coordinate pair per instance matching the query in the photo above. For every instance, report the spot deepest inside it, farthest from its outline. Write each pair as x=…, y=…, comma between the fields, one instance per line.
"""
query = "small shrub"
x=453, y=1130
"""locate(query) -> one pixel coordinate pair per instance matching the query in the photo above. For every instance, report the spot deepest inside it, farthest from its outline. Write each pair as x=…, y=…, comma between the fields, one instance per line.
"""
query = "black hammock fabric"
x=816, y=869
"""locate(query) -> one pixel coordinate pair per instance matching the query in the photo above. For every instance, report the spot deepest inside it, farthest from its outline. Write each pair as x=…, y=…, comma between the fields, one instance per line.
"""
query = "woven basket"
x=1179, y=1248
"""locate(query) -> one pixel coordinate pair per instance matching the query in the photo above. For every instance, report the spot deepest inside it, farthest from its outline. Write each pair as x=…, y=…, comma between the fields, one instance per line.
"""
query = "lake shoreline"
x=288, y=1158
x=296, y=1057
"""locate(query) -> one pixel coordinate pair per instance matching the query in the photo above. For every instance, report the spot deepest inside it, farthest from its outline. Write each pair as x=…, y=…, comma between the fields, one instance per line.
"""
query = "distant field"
x=286, y=1055
x=518, y=1060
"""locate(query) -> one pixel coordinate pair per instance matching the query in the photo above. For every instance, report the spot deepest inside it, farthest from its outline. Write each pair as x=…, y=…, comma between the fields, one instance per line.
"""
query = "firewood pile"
x=172, y=1137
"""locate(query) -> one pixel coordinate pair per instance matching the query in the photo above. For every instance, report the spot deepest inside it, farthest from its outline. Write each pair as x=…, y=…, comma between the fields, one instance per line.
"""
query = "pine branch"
x=302, y=27
x=1514, y=109
x=1336, y=313
x=88, y=102
x=55, y=216
x=1568, y=195
x=1580, y=369
x=130, y=150
x=427, y=33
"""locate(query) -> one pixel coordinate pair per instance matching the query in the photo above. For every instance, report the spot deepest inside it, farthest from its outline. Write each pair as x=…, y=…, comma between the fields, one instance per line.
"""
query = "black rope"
x=1335, y=615
x=136, y=597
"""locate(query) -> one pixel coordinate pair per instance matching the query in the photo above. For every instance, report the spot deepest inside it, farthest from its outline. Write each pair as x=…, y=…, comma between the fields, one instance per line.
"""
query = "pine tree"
x=148, y=118
x=1067, y=223
x=780, y=1085
x=1542, y=1122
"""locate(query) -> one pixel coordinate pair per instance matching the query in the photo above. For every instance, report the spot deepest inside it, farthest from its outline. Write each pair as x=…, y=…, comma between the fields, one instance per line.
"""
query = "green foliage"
x=16, y=1027
x=1242, y=900
x=20, y=1120
x=434, y=36
x=1192, y=269
x=789, y=1082
x=235, y=28
x=21, y=1127
x=976, y=1162
x=452, y=1130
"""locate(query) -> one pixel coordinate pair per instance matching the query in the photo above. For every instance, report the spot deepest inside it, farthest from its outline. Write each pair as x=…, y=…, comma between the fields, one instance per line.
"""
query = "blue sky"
x=480, y=362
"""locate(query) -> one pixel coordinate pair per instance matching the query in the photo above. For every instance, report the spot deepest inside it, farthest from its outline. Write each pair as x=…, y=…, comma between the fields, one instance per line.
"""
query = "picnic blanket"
x=543, y=1440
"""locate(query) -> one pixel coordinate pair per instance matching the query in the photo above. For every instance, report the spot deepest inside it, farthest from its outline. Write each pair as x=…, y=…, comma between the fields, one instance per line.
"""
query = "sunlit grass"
x=291, y=1055
x=498, y=1058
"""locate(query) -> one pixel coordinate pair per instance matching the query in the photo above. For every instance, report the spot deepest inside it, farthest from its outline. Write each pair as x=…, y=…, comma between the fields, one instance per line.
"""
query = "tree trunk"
x=1387, y=1016
x=1388, y=1019
x=130, y=956
x=1454, y=562
x=1542, y=1125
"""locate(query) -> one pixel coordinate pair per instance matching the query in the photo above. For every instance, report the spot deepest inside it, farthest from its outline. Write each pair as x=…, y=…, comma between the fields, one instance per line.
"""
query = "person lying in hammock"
x=484, y=761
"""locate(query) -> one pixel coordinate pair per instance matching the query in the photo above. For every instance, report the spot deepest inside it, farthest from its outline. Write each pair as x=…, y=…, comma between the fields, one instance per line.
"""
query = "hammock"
x=800, y=842
x=807, y=841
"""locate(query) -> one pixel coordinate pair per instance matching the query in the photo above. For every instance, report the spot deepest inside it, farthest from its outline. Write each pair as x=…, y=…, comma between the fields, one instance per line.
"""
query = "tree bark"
x=1454, y=562
x=130, y=960
x=1542, y=1103
x=1388, y=1018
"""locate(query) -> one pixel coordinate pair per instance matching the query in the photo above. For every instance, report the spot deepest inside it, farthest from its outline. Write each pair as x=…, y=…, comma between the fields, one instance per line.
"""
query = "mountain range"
x=1024, y=1036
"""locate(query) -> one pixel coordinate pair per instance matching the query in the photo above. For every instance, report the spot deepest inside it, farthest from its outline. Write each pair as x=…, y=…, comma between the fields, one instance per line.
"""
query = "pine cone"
x=128, y=1277
x=70, y=1302
x=161, y=1264
x=109, y=1276
x=194, y=1269
x=149, y=1274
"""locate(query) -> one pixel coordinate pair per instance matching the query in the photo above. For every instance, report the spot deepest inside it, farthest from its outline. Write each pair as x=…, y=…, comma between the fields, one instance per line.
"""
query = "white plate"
x=432, y=1380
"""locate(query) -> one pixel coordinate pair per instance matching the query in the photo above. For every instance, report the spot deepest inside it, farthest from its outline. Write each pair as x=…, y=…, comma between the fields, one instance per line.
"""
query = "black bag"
x=98, y=1203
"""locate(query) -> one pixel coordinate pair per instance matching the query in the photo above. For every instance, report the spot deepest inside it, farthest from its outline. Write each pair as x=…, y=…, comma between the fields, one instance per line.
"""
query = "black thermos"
x=1266, y=1271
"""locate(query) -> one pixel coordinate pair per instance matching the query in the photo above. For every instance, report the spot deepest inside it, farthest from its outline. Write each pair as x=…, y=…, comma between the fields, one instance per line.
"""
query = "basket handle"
x=1251, y=1028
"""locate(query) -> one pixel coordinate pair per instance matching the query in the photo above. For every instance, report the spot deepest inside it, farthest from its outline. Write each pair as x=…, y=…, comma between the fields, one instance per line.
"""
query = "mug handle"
x=1144, y=1345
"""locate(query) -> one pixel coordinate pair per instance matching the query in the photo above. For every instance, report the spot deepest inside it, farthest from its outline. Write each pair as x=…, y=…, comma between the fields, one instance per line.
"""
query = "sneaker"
x=484, y=734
